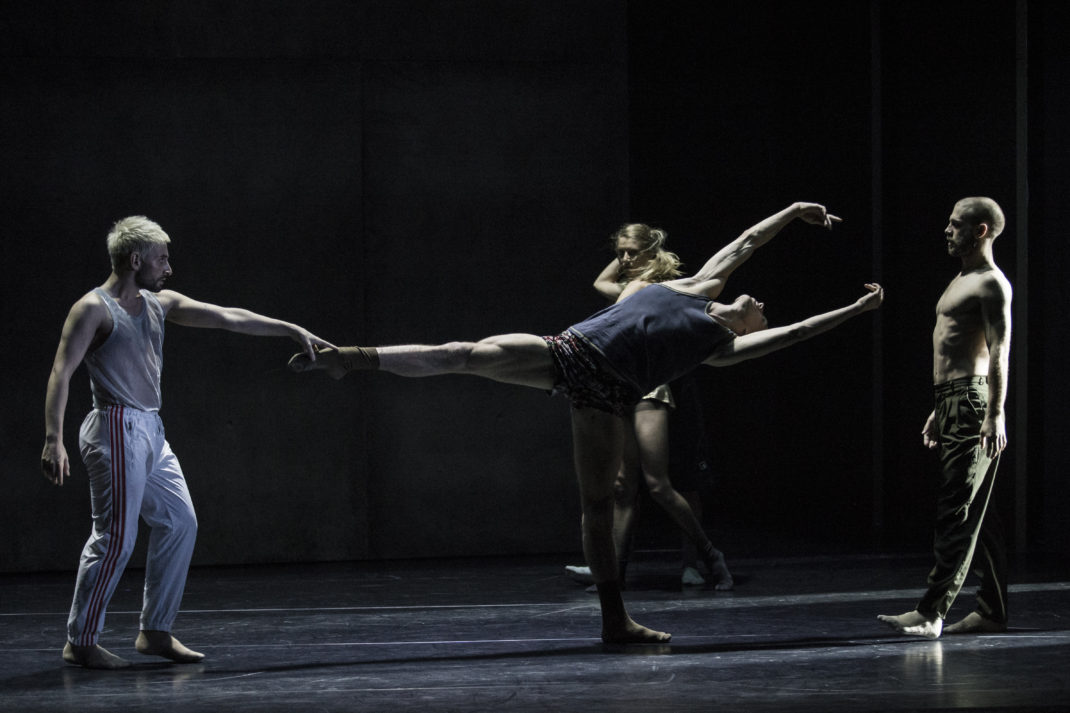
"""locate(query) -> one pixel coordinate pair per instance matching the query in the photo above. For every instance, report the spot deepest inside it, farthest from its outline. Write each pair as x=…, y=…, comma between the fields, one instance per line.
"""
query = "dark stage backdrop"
x=427, y=170
x=377, y=172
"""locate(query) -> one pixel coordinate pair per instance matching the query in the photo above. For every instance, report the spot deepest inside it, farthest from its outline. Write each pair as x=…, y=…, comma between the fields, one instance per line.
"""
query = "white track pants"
x=132, y=472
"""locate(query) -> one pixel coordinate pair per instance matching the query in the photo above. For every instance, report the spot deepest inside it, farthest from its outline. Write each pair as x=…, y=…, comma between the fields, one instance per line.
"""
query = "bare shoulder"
x=89, y=307
x=170, y=298
x=993, y=285
x=88, y=318
x=999, y=280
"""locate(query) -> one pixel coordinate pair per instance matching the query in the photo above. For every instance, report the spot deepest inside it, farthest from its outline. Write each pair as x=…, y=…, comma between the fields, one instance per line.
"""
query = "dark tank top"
x=654, y=336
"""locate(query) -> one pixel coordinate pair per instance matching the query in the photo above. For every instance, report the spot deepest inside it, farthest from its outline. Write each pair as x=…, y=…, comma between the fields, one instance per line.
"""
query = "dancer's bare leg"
x=626, y=501
x=652, y=432
x=688, y=552
x=522, y=359
x=914, y=623
x=625, y=511
x=597, y=441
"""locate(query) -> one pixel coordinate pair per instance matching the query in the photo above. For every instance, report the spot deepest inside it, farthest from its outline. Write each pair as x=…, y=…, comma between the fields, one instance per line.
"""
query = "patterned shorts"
x=586, y=380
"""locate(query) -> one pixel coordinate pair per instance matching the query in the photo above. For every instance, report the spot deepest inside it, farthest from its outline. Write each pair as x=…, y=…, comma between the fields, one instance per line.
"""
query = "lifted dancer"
x=971, y=356
x=606, y=363
x=118, y=329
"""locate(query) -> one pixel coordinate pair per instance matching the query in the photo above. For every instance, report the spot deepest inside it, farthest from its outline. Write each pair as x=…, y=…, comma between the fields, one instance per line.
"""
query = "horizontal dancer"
x=607, y=362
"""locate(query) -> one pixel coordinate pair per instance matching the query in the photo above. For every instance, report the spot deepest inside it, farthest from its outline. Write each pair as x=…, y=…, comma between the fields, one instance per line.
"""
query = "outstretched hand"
x=873, y=299
x=310, y=343
x=815, y=214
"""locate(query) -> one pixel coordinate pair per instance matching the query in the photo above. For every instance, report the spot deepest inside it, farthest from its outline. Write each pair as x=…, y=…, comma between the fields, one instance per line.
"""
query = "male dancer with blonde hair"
x=117, y=329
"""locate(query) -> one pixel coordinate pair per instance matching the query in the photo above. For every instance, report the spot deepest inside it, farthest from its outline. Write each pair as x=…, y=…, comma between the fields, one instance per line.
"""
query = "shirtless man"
x=971, y=353
x=118, y=329
x=606, y=363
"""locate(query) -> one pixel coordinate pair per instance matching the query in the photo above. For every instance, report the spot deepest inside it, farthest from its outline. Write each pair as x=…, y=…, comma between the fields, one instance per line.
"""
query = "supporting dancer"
x=642, y=260
x=605, y=364
x=971, y=354
x=118, y=330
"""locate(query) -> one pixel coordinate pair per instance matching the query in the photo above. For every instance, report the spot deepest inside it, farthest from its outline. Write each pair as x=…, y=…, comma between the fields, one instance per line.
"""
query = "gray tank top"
x=125, y=369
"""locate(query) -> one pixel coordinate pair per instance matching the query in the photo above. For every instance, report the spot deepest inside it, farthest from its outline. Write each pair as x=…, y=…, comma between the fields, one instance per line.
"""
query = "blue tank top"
x=654, y=336
x=125, y=369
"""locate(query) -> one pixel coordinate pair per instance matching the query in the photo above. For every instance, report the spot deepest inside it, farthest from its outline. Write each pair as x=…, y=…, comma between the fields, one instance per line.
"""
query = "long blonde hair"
x=663, y=265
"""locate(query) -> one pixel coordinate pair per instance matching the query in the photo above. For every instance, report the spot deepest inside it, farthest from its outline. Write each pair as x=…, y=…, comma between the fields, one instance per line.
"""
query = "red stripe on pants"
x=117, y=530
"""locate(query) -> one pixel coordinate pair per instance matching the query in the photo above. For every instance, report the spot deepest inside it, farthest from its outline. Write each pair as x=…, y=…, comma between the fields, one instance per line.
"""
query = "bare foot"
x=337, y=362
x=93, y=657
x=722, y=578
x=161, y=643
x=632, y=633
x=327, y=359
x=974, y=623
x=914, y=624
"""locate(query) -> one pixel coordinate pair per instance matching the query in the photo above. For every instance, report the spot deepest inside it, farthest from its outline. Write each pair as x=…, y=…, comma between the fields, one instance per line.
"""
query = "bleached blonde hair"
x=664, y=265
x=135, y=234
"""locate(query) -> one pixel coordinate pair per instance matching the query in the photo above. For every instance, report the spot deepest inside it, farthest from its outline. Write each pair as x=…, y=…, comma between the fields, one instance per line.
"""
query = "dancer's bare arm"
x=192, y=313
x=87, y=317
x=757, y=344
x=608, y=283
x=710, y=280
x=996, y=320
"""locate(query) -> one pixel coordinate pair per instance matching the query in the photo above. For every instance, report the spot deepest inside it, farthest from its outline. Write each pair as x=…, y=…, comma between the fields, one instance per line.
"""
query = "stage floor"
x=797, y=634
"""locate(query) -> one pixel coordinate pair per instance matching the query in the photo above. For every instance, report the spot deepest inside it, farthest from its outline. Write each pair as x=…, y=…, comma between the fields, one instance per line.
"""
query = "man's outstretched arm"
x=731, y=256
x=757, y=344
x=192, y=313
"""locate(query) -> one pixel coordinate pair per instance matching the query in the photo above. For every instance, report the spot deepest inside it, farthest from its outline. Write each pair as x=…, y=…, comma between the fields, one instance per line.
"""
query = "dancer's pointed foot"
x=326, y=359
x=161, y=643
x=914, y=624
x=631, y=633
x=974, y=623
x=96, y=657
x=337, y=362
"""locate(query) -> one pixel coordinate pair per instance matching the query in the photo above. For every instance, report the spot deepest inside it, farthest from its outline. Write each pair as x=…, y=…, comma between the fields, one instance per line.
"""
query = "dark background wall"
x=429, y=170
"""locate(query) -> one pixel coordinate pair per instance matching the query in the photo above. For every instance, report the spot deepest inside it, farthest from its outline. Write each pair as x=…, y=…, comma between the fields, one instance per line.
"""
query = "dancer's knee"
x=183, y=524
x=460, y=356
x=598, y=513
x=662, y=492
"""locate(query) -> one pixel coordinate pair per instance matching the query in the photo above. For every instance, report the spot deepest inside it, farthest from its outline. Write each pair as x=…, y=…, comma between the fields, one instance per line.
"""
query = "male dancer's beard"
x=144, y=284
